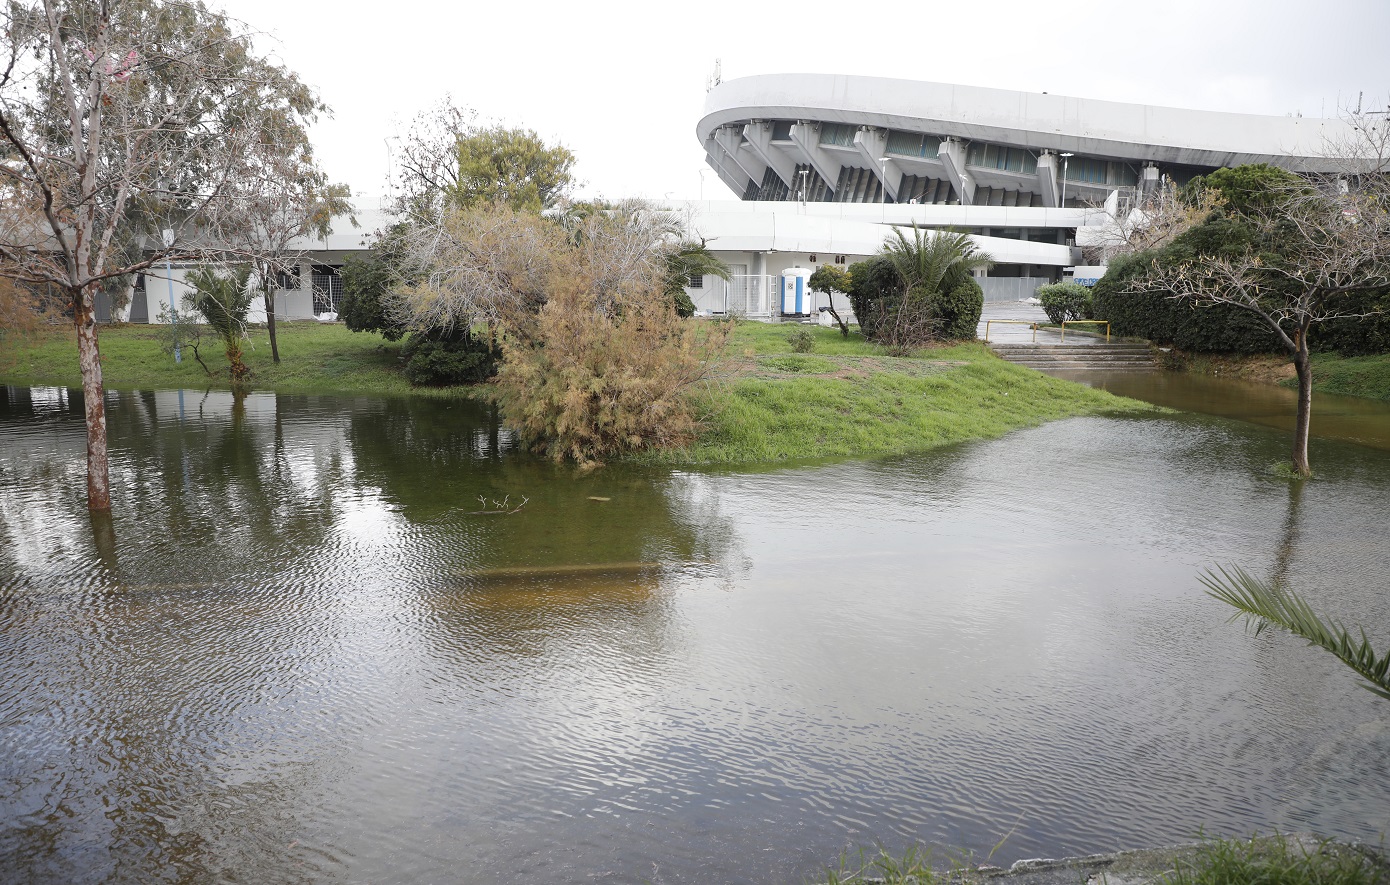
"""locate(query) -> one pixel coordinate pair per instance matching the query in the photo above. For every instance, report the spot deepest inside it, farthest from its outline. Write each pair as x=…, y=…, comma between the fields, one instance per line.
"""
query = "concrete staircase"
x=1079, y=357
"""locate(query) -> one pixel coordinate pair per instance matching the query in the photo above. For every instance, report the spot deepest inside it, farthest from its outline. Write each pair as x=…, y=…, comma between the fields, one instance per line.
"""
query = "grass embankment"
x=314, y=358
x=766, y=403
x=1367, y=376
x=848, y=399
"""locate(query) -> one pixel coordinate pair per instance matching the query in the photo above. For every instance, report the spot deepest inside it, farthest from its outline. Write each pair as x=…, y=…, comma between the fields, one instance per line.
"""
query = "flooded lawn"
x=307, y=648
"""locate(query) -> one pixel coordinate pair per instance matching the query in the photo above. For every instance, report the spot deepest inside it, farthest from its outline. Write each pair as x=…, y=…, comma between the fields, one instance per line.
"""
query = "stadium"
x=824, y=165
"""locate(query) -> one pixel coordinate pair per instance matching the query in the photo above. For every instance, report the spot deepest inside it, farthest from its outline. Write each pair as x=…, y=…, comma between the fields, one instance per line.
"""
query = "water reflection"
x=299, y=652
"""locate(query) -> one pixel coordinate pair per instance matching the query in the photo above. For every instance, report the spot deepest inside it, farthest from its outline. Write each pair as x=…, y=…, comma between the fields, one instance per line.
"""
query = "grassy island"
x=763, y=403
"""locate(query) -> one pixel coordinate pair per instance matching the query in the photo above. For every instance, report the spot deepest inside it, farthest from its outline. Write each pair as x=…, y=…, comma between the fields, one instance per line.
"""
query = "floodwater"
x=307, y=649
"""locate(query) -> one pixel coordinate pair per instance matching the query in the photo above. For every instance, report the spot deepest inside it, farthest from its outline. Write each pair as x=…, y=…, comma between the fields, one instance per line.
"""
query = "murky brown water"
x=299, y=653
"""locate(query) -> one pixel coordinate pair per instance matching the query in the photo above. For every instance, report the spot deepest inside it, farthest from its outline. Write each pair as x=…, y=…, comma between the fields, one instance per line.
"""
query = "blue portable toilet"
x=796, y=292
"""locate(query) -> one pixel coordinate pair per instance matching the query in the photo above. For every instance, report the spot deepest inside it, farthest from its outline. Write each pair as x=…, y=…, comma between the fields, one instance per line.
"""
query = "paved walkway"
x=1010, y=333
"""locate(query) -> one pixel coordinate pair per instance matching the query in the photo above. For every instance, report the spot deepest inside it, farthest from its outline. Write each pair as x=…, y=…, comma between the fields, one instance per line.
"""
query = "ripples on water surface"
x=298, y=654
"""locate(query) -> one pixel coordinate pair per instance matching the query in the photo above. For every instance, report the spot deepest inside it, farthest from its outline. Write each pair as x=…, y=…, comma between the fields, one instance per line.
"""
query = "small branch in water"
x=492, y=507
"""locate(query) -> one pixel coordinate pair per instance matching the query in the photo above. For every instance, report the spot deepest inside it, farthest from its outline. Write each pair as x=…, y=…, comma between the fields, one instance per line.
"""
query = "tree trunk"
x=270, y=323
x=1304, y=368
x=94, y=403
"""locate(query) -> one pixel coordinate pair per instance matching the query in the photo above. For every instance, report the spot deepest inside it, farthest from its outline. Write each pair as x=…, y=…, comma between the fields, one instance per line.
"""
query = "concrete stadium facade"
x=825, y=165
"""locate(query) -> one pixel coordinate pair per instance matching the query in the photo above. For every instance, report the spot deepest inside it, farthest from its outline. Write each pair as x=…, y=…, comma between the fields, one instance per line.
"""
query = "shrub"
x=875, y=291
x=1152, y=314
x=958, y=311
x=438, y=359
x=802, y=341
x=366, y=286
x=591, y=382
x=1065, y=301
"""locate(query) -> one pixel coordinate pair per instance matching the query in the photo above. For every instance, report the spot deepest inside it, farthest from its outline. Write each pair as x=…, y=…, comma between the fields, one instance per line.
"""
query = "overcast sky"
x=623, y=84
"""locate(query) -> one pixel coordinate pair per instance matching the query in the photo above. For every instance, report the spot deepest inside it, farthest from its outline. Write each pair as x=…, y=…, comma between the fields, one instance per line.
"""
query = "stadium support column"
x=952, y=155
x=758, y=134
x=1047, y=179
x=806, y=136
x=872, y=146
x=730, y=139
x=729, y=173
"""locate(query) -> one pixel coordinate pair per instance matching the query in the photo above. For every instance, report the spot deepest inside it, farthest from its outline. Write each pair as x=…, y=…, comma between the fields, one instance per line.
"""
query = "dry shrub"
x=605, y=370
x=20, y=311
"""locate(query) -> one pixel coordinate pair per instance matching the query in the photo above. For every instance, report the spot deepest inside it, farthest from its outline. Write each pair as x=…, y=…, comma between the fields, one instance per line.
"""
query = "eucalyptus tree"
x=123, y=118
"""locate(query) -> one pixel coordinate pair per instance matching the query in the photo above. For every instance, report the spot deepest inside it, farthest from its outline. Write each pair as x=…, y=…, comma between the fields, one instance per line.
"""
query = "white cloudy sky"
x=622, y=84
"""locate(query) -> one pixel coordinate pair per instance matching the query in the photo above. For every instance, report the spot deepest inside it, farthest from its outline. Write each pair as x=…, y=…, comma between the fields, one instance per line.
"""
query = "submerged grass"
x=1279, y=860
x=1268, y=860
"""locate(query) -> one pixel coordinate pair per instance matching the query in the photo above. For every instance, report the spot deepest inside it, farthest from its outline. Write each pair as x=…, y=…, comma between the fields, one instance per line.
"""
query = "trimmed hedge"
x=1066, y=301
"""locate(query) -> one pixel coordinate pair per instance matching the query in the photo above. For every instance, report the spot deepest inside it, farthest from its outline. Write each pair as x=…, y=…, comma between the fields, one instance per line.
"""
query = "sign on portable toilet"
x=796, y=292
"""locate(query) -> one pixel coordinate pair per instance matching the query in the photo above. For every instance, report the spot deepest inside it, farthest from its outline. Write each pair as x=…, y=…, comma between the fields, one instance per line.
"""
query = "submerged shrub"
x=596, y=378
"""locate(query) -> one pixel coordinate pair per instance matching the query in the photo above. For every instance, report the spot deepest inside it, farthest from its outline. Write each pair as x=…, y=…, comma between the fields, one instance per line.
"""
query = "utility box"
x=796, y=292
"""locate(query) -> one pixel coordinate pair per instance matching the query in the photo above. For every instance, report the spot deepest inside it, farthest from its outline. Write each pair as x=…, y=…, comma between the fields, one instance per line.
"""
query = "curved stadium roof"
x=847, y=139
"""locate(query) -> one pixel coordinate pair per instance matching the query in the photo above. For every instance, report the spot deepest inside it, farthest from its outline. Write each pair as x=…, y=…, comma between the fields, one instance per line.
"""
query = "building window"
x=782, y=130
x=837, y=134
x=839, y=259
x=697, y=281
x=913, y=144
x=993, y=156
x=813, y=259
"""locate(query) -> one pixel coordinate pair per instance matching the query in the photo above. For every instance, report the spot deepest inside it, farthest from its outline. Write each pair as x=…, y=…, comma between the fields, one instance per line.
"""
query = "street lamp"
x=1066, y=155
x=173, y=308
x=804, y=174
x=883, y=162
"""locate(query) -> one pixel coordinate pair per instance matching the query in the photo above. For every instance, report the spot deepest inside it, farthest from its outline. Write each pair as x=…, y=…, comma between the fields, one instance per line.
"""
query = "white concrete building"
x=824, y=165
x=316, y=289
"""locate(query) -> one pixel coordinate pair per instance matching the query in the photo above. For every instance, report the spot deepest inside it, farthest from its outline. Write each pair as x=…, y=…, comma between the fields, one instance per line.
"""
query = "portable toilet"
x=796, y=292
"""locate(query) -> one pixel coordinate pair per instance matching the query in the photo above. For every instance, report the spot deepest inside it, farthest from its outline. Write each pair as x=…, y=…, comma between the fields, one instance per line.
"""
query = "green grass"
x=846, y=399
x=849, y=400
x=1278, y=860
x=1367, y=376
x=315, y=358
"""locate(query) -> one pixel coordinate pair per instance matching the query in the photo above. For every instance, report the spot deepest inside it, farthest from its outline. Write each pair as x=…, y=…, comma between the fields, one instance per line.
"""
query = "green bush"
x=1165, y=320
x=802, y=341
x=442, y=359
x=957, y=312
x=1066, y=301
x=876, y=290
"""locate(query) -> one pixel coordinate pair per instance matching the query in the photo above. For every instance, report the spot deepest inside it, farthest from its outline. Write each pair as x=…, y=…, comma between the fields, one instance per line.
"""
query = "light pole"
x=1066, y=156
x=173, y=308
x=883, y=162
x=804, y=174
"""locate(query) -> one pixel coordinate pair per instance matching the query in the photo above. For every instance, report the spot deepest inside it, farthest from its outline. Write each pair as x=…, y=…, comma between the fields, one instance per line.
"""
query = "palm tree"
x=1269, y=605
x=224, y=300
x=685, y=260
x=934, y=261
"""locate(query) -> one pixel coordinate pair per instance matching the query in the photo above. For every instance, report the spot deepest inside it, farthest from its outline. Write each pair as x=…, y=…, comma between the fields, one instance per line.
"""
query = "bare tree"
x=1315, y=247
x=121, y=116
x=1150, y=223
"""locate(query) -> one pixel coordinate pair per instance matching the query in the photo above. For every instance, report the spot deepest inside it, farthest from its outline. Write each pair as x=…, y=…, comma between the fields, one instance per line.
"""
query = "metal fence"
x=1010, y=288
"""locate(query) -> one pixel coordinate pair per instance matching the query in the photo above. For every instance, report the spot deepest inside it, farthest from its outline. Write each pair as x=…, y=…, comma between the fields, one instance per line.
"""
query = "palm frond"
x=1265, y=605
